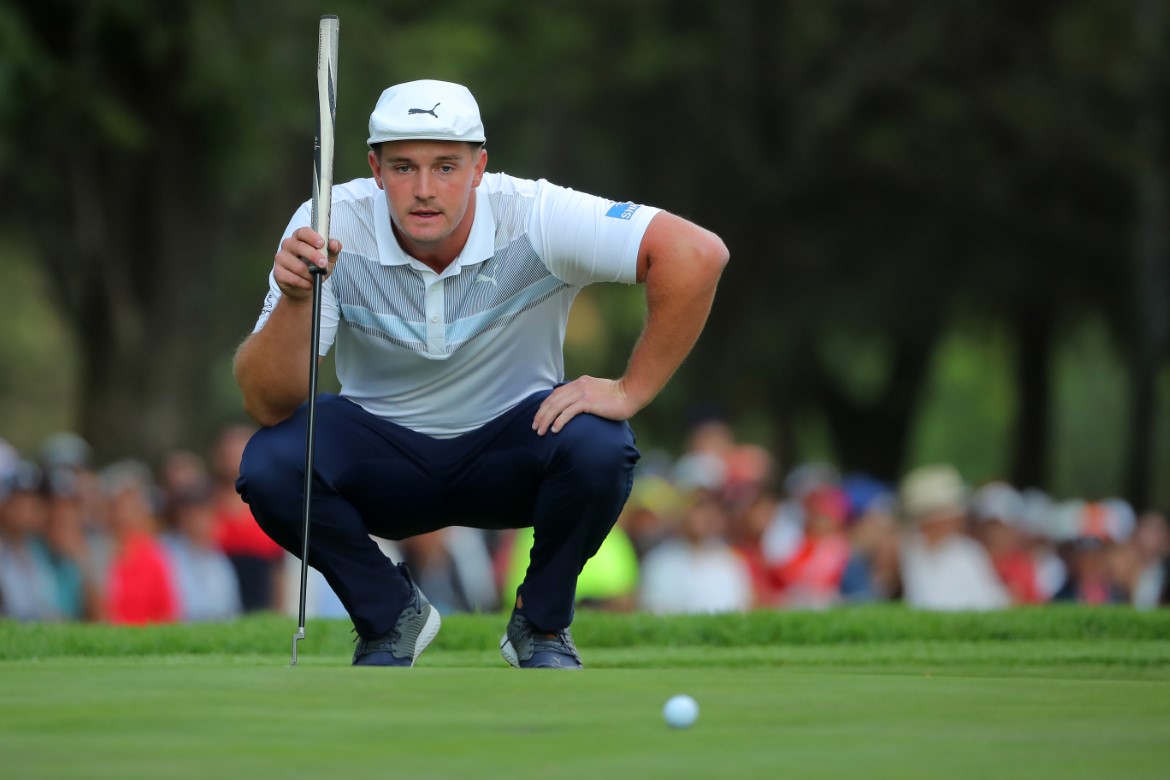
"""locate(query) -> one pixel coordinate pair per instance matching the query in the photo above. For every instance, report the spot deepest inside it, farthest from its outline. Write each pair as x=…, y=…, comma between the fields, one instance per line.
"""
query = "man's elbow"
x=265, y=416
x=261, y=409
x=258, y=413
x=257, y=405
x=712, y=253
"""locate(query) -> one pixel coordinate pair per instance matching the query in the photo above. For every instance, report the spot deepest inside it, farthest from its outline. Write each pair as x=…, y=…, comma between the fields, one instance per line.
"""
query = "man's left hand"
x=603, y=397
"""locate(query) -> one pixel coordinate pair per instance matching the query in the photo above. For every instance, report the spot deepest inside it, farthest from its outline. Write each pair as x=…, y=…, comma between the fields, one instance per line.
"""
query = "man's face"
x=428, y=187
x=940, y=524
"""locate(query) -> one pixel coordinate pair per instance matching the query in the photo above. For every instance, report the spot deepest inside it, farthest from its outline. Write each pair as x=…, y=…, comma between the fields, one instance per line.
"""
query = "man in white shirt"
x=447, y=298
x=943, y=568
x=696, y=571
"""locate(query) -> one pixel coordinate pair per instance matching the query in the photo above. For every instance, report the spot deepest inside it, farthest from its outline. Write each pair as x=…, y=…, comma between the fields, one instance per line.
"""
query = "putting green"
x=1081, y=706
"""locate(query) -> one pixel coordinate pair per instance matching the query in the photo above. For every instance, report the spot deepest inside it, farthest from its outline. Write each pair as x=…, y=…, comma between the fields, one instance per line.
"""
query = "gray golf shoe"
x=416, y=626
x=526, y=648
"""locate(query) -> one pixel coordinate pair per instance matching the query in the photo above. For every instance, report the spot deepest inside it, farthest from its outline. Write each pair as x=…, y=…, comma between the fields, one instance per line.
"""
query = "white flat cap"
x=426, y=110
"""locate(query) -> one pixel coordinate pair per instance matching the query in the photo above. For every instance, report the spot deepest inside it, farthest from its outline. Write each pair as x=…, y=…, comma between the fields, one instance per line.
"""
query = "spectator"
x=1090, y=580
x=785, y=533
x=1151, y=549
x=74, y=565
x=57, y=550
x=65, y=457
x=9, y=458
x=998, y=511
x=647, y=516
x=872, y=573
x=28, y=584
x=256, y=558
x=714, y=461
x=749, y=470
x=64, y=450
x=941, y=567
x=141, y=585
x=1096, y=528
x=811, y=576
x=698, y=571
x=205, y=579
x=183, y=472
x=746, y=535
x=706, y=462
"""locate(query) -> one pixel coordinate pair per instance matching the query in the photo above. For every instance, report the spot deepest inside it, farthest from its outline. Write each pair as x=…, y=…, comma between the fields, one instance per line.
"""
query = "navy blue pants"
x=374, y=477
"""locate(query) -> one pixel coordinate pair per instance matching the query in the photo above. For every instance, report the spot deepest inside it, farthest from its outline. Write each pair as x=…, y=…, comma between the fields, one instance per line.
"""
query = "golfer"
x=447, y=296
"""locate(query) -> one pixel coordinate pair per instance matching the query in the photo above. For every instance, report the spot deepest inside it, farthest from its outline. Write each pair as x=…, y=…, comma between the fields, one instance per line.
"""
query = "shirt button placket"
x=436, y=324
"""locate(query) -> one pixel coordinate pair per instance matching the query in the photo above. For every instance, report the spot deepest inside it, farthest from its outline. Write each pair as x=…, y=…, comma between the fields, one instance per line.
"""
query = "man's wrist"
x=298, y=299
x=638, y=398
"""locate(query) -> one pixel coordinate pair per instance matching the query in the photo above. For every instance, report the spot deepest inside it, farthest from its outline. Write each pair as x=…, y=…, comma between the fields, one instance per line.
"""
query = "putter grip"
x=327, y=39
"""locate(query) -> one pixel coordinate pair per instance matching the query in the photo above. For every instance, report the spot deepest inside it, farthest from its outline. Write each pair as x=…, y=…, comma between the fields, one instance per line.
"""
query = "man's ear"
x=480, y=167
x=375, y=167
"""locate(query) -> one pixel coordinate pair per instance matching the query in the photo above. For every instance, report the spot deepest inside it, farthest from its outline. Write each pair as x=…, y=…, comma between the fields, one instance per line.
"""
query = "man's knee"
x=599, y=451
x=272, y=465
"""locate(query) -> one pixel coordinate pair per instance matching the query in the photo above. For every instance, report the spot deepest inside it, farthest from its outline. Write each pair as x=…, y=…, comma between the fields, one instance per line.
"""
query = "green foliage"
x=968, y=406
x=890, y=179
x=36, y=396
x=1093, y=381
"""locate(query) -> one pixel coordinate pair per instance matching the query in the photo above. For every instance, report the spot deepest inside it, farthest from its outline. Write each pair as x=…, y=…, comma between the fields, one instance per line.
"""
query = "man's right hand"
x=297, y=252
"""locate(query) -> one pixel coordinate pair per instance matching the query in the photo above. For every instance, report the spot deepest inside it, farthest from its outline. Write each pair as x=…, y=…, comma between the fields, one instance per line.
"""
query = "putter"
x=322, y=201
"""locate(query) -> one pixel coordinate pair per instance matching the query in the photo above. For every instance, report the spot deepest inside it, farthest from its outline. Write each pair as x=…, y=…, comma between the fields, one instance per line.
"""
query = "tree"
x=123, y=143
x=875, y=169
x=1150, y=340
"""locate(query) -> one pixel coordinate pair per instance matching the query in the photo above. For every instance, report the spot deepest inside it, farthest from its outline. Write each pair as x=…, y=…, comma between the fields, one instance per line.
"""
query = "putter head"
x=298, y=636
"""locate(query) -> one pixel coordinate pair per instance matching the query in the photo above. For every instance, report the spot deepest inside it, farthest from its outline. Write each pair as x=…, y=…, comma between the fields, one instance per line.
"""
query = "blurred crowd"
x=713, y=530
x=126, y=545
x=717, y=530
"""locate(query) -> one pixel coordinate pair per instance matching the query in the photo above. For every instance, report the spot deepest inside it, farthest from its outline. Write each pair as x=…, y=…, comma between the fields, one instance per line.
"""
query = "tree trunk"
x=873, y=438
x=143, y=375
x=131, y=221
x=1033, y=379
x=1151, y=278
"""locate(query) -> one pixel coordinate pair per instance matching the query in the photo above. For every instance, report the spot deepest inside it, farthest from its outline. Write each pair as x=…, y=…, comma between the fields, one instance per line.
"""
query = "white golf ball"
x=680, y=711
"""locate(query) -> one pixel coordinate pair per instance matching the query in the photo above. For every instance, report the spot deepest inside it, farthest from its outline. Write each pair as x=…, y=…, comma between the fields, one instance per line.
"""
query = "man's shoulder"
x=355, y=191
x=354, y=214
x=514, y=203
x=505, y=184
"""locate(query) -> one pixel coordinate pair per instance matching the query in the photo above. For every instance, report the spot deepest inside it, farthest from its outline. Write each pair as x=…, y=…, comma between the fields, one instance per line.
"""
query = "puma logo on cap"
x=430, y=110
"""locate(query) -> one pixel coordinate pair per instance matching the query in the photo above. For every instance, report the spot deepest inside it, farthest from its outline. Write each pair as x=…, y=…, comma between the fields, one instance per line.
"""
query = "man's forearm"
x=272, y=365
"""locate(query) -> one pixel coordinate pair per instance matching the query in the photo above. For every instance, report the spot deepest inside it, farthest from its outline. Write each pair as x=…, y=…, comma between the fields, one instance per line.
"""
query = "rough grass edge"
x=268, y=634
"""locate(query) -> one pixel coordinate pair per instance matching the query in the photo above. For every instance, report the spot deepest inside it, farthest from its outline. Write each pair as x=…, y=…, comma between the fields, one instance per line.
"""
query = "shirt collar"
x=480, y=246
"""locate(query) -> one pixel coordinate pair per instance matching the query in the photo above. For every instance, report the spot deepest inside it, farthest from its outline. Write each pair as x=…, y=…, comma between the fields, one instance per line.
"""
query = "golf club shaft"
x=310, y=445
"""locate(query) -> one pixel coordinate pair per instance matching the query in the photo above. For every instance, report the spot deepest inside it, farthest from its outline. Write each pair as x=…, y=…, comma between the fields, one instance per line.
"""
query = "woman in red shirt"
x=140, y=584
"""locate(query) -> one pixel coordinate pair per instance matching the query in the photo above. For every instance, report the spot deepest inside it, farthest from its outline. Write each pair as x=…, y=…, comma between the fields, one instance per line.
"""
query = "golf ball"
x=680, y=711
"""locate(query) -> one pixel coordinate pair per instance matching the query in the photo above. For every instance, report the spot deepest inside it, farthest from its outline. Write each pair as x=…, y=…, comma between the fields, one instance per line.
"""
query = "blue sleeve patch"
x=622, y=210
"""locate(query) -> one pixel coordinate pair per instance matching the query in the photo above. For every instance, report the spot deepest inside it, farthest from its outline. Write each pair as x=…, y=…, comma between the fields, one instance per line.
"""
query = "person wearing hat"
x=942, y=567
x=28, y=584
x=447, y=299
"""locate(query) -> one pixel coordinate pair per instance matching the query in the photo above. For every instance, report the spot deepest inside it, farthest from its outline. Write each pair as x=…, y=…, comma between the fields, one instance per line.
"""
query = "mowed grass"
x=874, y=693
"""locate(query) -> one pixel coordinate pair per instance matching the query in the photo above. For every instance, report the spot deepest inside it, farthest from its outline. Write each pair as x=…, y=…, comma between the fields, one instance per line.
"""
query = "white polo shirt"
x=442, y=354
